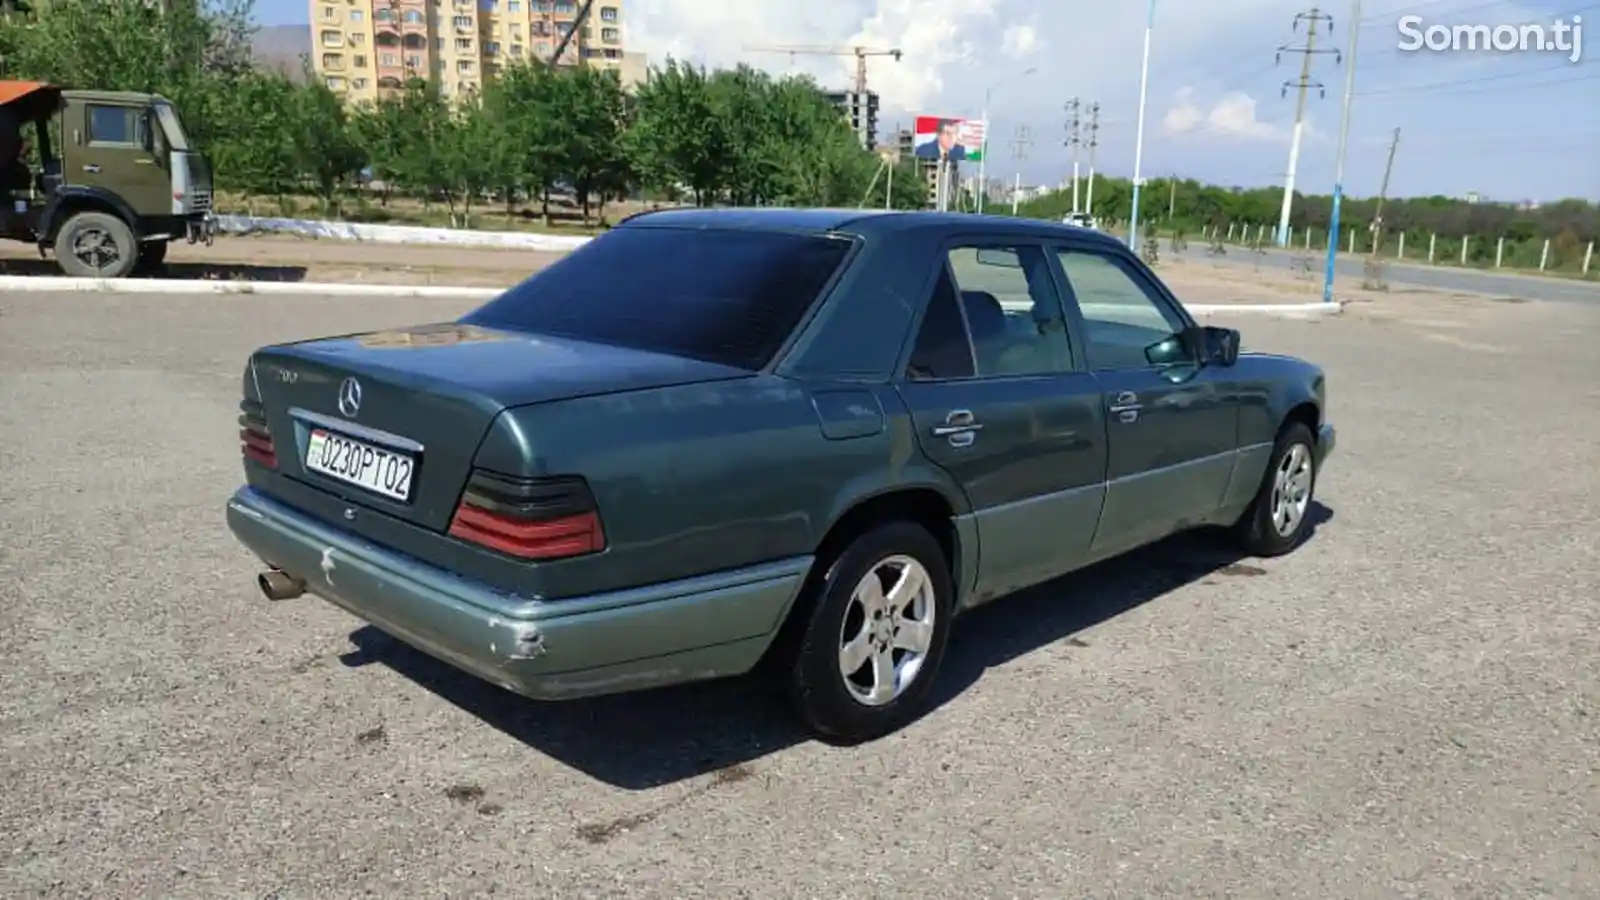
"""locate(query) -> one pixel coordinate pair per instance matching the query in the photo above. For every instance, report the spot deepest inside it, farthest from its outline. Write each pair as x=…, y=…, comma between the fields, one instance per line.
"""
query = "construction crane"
x=860, y=53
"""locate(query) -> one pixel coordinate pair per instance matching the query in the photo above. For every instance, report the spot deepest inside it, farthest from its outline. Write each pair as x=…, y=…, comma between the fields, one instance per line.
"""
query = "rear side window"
x=944, y=348
x=729, y=297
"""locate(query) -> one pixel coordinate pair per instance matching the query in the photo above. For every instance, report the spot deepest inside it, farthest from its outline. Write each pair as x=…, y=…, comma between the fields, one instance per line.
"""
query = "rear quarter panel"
x=703, y=478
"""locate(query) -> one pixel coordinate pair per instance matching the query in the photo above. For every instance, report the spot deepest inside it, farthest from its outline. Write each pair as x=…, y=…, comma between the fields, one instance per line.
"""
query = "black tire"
x=820, y=692
x=1257, y=531
x=152, y=256
x=114, y=250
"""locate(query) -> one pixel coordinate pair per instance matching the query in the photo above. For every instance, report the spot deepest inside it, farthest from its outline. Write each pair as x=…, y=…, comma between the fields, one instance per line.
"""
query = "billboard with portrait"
x=956, y=139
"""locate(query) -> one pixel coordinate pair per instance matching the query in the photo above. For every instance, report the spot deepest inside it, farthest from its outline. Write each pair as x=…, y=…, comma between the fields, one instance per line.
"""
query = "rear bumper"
x=689, y=630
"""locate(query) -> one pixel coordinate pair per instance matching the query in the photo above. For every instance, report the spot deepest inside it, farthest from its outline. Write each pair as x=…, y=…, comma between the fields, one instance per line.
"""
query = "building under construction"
x=861, y=111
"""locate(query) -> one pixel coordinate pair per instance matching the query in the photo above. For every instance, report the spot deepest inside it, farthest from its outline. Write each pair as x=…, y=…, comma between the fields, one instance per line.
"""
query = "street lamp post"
x=983, y=154
x=1344, y=138
x=1138, y=141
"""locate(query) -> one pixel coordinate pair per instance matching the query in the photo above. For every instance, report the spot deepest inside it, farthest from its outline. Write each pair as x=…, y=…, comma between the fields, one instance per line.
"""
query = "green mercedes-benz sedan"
x=806, y=438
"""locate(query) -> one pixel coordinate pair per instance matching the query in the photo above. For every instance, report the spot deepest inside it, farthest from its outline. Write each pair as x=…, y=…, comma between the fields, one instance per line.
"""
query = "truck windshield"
x=723, y=296
x=171, y=127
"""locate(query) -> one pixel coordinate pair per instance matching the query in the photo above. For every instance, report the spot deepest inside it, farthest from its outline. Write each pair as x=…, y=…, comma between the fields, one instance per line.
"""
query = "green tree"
x=677, y=138
x=325, y=144
x=254, y=149
x=590, y=148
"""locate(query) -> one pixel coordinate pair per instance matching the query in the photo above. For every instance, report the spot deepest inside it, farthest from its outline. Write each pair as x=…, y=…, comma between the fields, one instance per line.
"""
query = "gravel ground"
x=1407, y=706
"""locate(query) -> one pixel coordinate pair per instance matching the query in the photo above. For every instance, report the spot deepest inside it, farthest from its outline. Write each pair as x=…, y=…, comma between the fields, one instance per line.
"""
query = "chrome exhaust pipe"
x=277, y=584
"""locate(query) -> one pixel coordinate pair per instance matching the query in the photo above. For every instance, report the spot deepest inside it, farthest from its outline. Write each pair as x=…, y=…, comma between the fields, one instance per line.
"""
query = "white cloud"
x=953, y=50
x=1232, y=115
x=1019, y=40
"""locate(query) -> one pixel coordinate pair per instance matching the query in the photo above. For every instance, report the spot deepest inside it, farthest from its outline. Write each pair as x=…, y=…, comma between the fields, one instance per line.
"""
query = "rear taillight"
x=255, y=438
x=529, y=518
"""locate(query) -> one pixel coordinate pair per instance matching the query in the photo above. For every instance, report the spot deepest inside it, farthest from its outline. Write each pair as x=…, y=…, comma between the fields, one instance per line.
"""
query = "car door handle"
x=960, y=428
x=91, y=167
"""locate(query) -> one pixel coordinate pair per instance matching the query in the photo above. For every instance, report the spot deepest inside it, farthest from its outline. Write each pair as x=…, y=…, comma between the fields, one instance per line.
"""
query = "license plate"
x=364, y=465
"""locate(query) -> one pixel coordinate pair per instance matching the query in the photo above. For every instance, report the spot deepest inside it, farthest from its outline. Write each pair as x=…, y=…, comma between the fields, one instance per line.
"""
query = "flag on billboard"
x=955, y=139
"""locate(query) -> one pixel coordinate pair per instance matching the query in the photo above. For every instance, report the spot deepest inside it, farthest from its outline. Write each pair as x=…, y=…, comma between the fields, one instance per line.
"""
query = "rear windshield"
x=729, y=297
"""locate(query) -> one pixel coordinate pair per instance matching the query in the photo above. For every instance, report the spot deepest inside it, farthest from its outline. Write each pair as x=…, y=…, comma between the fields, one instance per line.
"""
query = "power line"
x=1520, y=86
x=1445, y=85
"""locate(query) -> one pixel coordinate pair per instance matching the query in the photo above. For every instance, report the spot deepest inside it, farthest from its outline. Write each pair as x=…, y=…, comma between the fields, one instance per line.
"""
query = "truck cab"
x=108, y=180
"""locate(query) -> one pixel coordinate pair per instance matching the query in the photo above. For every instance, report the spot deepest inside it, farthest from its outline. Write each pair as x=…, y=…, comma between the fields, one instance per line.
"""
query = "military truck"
x=114, y=178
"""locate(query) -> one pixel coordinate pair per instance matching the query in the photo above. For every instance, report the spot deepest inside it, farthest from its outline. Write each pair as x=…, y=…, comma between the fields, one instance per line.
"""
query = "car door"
x=1172, y=423
x=999, y=400
x=112, y=150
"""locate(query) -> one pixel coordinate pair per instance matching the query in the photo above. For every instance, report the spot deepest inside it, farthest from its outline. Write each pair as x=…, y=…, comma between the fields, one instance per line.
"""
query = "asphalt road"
x=1407, y=706
x=1527, y=287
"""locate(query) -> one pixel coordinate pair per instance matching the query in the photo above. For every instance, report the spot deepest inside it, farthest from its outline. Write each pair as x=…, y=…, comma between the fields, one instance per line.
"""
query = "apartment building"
x=364, y=49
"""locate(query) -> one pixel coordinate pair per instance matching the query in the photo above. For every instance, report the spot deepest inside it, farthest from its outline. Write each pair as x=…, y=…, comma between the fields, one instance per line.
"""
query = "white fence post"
x=1499, y=251
x=1466, y=241
x=1261, y=230
x=1230, y=231
x=1402, y=253
x=1544, y=255
x=1588, y=257
x=1433, y=241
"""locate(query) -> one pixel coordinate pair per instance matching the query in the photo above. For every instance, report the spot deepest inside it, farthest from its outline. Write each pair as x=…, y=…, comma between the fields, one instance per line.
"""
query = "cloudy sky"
x=1518, y=125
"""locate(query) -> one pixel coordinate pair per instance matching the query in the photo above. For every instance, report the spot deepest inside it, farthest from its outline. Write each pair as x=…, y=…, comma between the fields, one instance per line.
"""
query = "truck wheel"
x=96, y=245
x=152, y=256
x=875, y=635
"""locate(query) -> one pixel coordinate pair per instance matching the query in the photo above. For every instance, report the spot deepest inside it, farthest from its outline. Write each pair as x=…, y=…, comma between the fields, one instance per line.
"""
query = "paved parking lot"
x=1408, y=706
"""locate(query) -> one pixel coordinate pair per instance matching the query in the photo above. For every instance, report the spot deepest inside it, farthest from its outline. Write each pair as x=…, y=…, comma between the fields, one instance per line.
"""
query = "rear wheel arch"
x=925, y=506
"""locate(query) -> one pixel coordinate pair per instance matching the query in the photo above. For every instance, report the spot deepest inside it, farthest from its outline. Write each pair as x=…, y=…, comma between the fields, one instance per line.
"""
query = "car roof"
x=859, y=222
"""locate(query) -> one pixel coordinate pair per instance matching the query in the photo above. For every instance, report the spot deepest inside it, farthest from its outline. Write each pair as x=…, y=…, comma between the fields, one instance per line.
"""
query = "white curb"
x=42, y=284
x=401, y=234
x=1281, y=309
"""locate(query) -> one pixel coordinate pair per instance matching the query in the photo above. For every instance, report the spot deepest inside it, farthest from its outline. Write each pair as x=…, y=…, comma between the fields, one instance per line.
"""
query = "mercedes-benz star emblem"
x=350, y=397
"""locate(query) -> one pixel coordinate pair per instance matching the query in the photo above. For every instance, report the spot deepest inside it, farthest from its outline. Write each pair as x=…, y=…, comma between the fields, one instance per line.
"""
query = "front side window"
x=1013, y=311
x=115, y=125
x=729, y=297
x=1126, y=326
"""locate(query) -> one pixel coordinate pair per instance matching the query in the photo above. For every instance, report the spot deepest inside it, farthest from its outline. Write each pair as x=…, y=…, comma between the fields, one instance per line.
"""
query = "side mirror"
x=1216, y=346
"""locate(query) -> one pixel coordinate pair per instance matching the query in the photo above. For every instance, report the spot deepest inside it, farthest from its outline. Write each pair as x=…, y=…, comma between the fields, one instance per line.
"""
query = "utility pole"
x=1344, y=141
x=1094, y=141
x=1074, y=140
x=1313, y=20
x=1138, y=136
x=1019, y=151
x=1383, y=192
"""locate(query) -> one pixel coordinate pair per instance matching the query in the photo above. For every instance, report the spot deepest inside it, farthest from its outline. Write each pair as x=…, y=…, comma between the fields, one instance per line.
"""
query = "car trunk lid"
x=391, y=420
